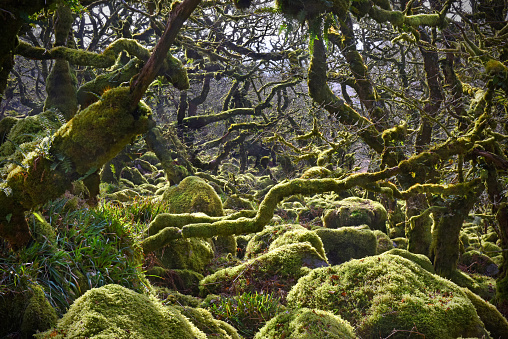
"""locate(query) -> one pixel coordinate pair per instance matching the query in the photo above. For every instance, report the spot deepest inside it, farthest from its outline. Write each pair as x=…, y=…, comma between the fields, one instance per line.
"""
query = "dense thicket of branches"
x=416, y=90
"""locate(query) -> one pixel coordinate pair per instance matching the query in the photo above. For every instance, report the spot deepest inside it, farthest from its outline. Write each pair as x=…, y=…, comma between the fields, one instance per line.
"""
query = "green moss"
x=316, y=172
x=112, y=311
x=6, y=125
x=224, y=244
x=99, y=132
x=475, y=262
x=204, y=320
x=133, y=175
x=355, y=211
x=384, y=243
x=261, y=241
x=494, y=321
x=385, y=292
x=400, y=243
x=42, y=231
x=189, y=253
x=419, y=259
x=182, y=280
x=193, y=194
x=296, y=236
x=61, y=89
x=286, y=263
x=236, y=202
x=347, y=243
x=306, y=323
x=39, y=315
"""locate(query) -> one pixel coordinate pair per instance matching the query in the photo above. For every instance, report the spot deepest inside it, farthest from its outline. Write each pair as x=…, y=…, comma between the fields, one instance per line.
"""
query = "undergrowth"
x=93, y=247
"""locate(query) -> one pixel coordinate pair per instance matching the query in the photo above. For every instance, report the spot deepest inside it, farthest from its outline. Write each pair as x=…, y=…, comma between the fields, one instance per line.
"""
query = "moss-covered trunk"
x=78, y=149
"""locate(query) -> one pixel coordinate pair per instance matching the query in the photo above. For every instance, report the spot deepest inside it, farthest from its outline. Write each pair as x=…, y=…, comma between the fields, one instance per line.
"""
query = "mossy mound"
x=347, y=243
x=308, y=324
x=475, y=262
x=260, y=242
x=188, y=253
x=419, y=259
x=193, y=194
x=316, y=172
x=224, y=244
x=113, y=311
x=23, y=314
x=296, y=236
x=384, y=243
x=133, y=175
x=6, y=125
x=235, y=202
x=204, y=320
x=278, y=269
x=185, y=281
x=355, y=211
x=385, y=292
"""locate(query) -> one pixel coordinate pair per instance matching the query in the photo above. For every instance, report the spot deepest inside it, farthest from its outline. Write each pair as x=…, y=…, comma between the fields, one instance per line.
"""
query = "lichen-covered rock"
x=355, y=211
x=260, y=242
x=307, y=324
x=187, y=253
x=282, y=266
x=193, y=194
x=113, y=311
x=384, y=243
x=385, y=292
x=296, y=236
x=347, y=243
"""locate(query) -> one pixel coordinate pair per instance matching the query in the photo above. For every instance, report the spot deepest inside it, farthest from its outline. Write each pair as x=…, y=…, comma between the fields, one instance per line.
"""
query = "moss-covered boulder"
x=475, y=262
x=494, y=321
x=193, y=194
x=261, y=241
x=347, y=243
x=383, y=293
x=306, y=323
x=224, y=244
x=278, y=269
x=419, y=259
x=236, y=202
x=355, y=211
x=316, y=172
x=187, y=253
x=185, y=281
x=133, y=175
x=24, y=313
x=5, y=127
x=212, y=327
x=113, y=311
x=296, y=236
x=384, y=243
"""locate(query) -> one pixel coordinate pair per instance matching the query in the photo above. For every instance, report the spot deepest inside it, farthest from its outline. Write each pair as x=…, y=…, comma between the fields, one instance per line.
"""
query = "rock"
x=475, y=262
x=261, y=241
x=384, y=243
x=187, y=253
x=306, y=323
x=39, y=315
x=281, y=266
x=356, y=211
x=193, y=194
x=113, y=311
x=133, y=175
x=385, y=292
x=235, y=202
x=296, y=236
x=347, y=243
x=204, y=320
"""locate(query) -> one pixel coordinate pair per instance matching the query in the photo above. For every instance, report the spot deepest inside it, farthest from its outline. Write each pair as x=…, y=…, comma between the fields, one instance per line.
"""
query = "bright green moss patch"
x=113, y=311
x=306, y=323
x=204, y=320
x=189, y=253
x=193, y=194
x=419, y=259
x=283, y=266
x=385, y=292
x=347, y=243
